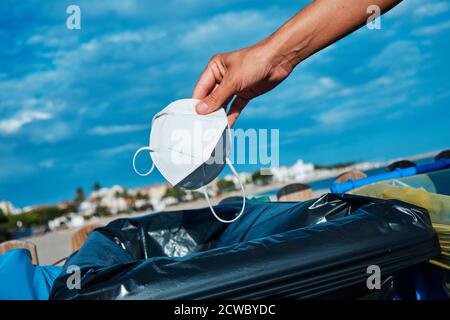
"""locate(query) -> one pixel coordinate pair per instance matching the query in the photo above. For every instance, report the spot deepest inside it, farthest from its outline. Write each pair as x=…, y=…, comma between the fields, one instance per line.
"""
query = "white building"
x=301, y=170
x=8, y=208
x=108, y=197
x=245, y=178
x=87, y=208
x=168, y=201
x=280, y=174
x=75, y=221
x=57, y=223
x=154, y=192
x=298, y=172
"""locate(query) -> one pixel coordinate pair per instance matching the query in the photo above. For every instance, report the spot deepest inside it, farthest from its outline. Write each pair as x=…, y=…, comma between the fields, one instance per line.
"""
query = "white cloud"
x=296, y=94
x=98, y=8
x=81, y=71
x=393, y=81
x=116, y=129
x=129, y=36
x=430, y=9
x=53, y=132
x=15, y=123
x=390, y=77
x=256, y=110
x=398, y=57
x=230, y=29
x=53, y=37
x=324, y=85
x=14, y=165
x=126, y=148
x=365, y=105
x=47, y=164
x=404, y=8
x=339, y=115
x=304, y=131
x=352, y=111
x=439, y=27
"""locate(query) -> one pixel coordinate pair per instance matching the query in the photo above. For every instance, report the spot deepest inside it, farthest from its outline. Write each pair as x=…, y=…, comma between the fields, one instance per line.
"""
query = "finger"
x=237, y=106
x=210, y=78
x=226, y=102
x=217, y=98
x=205, y=84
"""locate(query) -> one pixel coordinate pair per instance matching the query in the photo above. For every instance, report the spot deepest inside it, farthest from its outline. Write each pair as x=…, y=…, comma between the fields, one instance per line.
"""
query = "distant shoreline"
x=56, y=244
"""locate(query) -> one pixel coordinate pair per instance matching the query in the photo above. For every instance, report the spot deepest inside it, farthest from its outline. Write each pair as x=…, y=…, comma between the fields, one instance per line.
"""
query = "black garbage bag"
x=315, y=249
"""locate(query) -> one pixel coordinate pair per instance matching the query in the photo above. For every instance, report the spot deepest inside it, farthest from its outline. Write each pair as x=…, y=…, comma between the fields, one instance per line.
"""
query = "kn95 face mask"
x=190, y=150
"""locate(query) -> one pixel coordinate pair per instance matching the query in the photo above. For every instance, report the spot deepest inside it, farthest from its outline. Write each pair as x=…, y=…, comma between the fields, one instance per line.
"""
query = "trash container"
x=322, y=249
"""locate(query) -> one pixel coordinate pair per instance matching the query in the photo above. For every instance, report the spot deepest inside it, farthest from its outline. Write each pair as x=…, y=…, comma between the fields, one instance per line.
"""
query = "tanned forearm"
x=250, y=72
x=318, y=25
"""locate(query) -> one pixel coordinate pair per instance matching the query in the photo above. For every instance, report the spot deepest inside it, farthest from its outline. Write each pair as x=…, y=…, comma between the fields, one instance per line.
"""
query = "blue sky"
x=75, y=104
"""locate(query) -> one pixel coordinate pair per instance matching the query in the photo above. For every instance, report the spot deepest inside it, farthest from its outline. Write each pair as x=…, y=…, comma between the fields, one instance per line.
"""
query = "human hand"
x=242, y=75
x=250, y=72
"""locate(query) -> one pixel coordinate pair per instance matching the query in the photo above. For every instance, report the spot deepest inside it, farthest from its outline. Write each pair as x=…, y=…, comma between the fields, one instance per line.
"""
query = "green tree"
x=102, y=211
x=36, y=217
x=4, y=232
x=122, y=194
x=225, y=186
x=3, y=217
x=197, y=195
x=96, y=186
x=7, y=226
x=261, y=179
x=141, y=196
x=79, y=195
x=175, y=192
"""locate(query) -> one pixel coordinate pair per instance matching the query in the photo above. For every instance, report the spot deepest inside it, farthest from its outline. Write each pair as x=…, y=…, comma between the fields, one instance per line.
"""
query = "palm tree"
x=79, y=195
x=96, y=186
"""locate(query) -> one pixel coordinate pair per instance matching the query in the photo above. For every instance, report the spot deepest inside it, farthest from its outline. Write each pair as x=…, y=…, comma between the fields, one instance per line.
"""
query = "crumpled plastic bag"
x=438, y=206
x=315, y=249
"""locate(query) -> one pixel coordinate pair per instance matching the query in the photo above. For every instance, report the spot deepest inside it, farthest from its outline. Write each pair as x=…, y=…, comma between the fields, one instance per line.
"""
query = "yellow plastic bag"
x=437, y=205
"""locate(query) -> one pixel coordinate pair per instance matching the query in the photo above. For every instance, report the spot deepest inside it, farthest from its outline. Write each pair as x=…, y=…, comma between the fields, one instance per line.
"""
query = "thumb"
x=216, y=99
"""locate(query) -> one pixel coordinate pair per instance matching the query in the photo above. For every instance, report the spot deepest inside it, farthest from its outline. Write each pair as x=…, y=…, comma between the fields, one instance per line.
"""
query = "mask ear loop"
x=156, y=116
x=243, y=197
x=134, y=161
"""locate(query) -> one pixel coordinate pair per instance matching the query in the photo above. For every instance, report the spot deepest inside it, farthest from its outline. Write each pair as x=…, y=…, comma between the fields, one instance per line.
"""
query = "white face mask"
x=189, y=149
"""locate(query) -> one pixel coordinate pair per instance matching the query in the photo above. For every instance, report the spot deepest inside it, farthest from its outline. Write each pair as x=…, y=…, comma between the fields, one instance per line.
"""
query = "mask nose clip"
x=134, y=161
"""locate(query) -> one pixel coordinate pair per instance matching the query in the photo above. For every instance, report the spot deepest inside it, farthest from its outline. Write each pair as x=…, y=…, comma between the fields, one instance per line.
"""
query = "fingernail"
x=201, y=107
